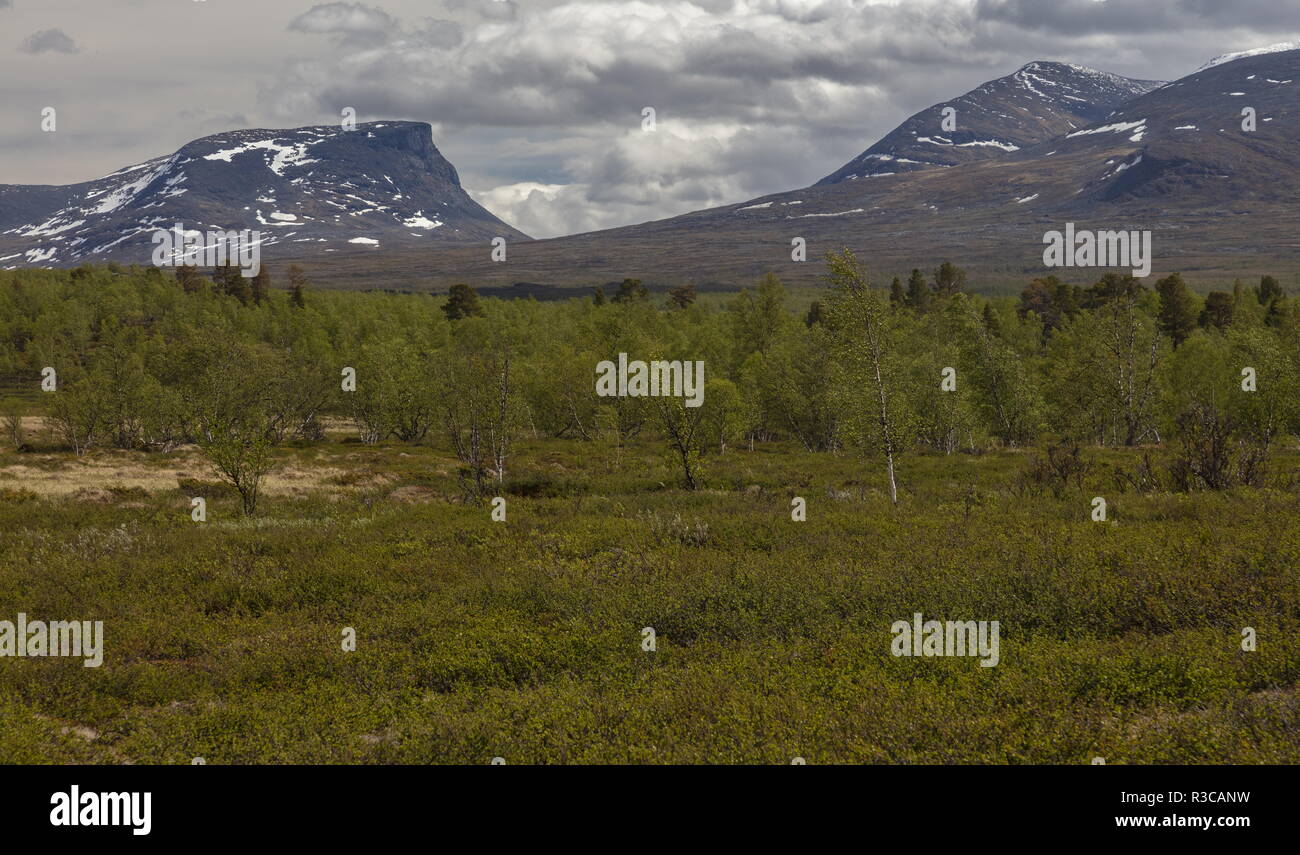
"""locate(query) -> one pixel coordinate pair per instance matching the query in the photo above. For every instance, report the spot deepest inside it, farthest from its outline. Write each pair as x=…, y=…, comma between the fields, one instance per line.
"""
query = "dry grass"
x=61, y=475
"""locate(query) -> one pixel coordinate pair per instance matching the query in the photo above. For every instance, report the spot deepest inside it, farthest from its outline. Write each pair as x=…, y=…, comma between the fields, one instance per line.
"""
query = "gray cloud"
x=438, y=33
x=49, y=41
x=1081, y=17
x=499, y=10
x=752, y=97
x=212, y=123
x=343, y=18
x=538, y=104
x=356, y=24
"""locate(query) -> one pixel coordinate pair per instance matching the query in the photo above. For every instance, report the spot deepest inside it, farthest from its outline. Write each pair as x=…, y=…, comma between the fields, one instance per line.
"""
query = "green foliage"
x=230, y=404
x=1045, y=368
x=726, y=414
x=758, y=318
x=1178, y=308
x=297, y=287
x=684, y=431
x=631, y=291
x=1103, y=366
x=522, y=639
x=1218, y=311
x=949, y=279
x=792, y=390
x=478, y=402
x=874, y=389
x=682, y=296
x=462, y=302
x=918, y=292
x=1269, y=290
x=1051, y=301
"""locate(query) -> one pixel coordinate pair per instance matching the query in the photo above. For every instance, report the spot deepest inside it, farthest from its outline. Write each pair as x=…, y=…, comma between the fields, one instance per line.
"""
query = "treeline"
x=144, y=360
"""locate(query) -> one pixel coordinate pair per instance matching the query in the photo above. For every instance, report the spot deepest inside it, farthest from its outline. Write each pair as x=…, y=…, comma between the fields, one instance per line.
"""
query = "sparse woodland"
x=146, y=362
x=960, y=493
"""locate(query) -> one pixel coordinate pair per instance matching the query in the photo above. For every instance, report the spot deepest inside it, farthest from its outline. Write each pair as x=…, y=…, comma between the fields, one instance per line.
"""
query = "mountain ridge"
x=1175, y=160
x=993, y=118
x=381, y=183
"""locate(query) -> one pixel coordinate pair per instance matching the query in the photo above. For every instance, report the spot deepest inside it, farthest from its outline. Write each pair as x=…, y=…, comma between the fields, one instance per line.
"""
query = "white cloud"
x=638, y=175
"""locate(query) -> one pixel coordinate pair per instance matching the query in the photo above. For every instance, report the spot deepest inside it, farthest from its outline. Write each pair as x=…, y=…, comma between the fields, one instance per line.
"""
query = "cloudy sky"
x=539, y=103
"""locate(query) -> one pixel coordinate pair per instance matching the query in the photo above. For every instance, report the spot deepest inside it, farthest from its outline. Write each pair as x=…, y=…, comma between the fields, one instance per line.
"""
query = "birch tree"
x=683, y=427
x=861, y=321
x=1104, y=367
x=997, y=376
x=229, y=398
x=480, y=408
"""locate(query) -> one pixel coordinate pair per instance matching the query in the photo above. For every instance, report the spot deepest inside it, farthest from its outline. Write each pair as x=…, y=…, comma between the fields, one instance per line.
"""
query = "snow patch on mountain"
x=1242, y=54
x=1139, y=128
x=420, y=221
x=285, y=155
x=121, y=196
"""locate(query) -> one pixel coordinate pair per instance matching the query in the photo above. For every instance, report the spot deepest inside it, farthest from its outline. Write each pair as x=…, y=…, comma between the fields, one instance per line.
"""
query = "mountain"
x=1219, y=201
x=1241, y=54
x=1174, y=160
x=379, y=186
x=1039, y=101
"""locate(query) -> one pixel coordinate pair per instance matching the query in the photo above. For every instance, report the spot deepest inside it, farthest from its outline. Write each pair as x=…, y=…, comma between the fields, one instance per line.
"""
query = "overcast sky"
x=538, y=103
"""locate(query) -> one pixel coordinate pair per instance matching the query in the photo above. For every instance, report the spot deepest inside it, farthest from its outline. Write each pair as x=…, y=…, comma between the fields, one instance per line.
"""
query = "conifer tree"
x=897, y=296
x=682, y=296
x=189, y=278
x=298, y=284
x=1177, y=308
x=1218, y=310
x=918, y=291
x=949, y=279
x=991, y=321
x=631, y=291
x=462, y=302
x=261, y=285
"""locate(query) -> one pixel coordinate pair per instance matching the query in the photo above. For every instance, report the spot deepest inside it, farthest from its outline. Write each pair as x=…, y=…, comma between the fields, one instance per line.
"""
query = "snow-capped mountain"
x=1213, y=181
x=1039, y=101
x=307, y=190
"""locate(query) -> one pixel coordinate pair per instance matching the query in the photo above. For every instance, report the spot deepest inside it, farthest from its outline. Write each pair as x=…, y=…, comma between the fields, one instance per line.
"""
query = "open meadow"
x=474, y=557
x=523, y=639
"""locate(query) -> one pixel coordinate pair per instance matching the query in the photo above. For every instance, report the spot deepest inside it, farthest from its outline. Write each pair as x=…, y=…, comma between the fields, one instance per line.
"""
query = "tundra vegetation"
x=371, y=509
